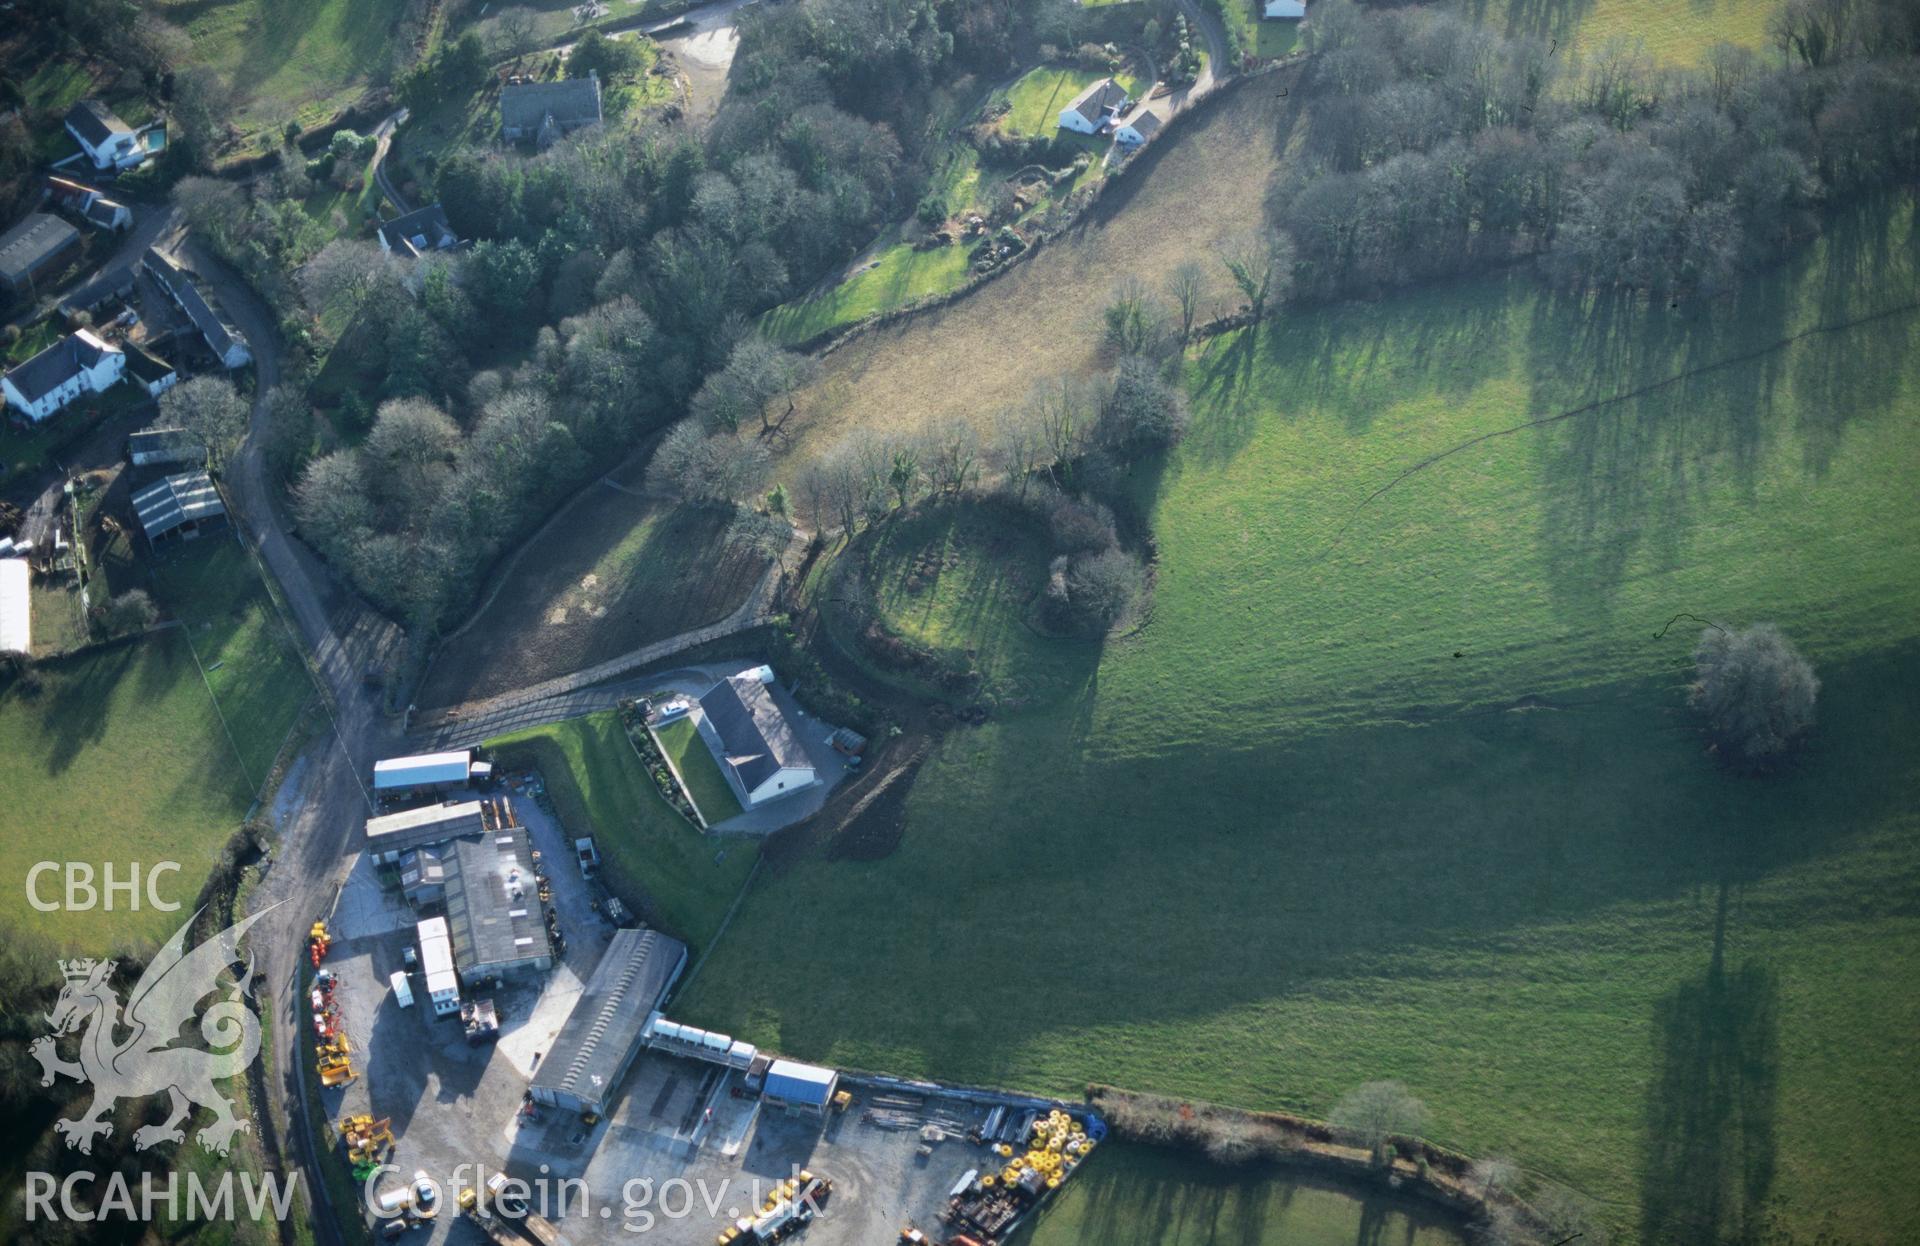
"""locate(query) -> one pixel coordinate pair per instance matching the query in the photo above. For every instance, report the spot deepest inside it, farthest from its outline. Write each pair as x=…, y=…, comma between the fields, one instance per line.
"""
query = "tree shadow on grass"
x=1708, y=1157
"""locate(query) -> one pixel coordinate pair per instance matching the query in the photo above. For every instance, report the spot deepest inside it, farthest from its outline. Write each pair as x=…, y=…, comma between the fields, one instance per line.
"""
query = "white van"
x=402, y=989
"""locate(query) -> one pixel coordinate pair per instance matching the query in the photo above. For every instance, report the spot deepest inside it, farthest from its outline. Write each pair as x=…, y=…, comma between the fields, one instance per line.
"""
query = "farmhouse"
x=545, y=111
x=108, y=141
x=225, y=342
x=393, y=835
x=418, y=232
x=1094, y=109
x=1139, y=126
x=1284, y=8
x=182, y=505
x=802, y=1089
x=16, y=605
x=77, y=364
x=35, y=249
x=493, y=911
x=607, y=1026
x=426, y=772
x=749, y=728
x=164, y=447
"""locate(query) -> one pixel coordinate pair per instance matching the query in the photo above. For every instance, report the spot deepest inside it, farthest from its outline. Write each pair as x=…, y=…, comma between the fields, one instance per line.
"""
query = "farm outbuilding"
x=391, y=836
x=426, y=772
x=164, y=447
x=607, y=1026
x=802, y=1089
x=226, y=343
x=493, y=911
x=181, y=505
x=16, y=606
x=753, y=737
x=35, y=249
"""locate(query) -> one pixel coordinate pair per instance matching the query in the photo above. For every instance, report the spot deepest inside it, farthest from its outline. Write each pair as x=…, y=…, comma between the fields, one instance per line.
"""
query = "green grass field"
x=681, y=742
x=899, y=275
x=1675, y=33
x=121, y=754
x=1136, y=1194
x=1407, y=788
x=684, y=880
x=299, y=60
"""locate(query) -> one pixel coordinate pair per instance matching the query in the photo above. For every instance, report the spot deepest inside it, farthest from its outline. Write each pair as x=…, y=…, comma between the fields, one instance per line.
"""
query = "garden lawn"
x=1038, y=96
x=122, y=756
x=1407, y=787
x=653, y=858
x=680, y=741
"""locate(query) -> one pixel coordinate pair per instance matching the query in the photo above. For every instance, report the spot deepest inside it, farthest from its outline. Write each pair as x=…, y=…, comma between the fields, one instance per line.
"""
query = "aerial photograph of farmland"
x=960, y=622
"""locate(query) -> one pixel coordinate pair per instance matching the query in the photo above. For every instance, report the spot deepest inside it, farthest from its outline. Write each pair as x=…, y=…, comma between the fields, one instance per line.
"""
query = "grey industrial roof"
x=166, y=504
x=96, y=122
x=493, y=902
x=186, y=293
x=419, y=231
x=432, y=824
x=149, y=367
x=58, y=364
x=753, y=729
x=1094, y=102
x=570, y=102
x=31, y=243
x=611, y=1014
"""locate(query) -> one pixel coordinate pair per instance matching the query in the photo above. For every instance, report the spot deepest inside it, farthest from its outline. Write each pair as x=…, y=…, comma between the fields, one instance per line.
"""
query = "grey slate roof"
x=753, y=729
x=1094, y=102
x=186, y=293
x=1145, y=122
x=572, y=102
x=56, y=365
x=604, y=1029
x=96, y=122
x=166, y=504
x=419, y=231
x=101, y=211
x=493, y=902
x=28, y=246
x=147, y=368
x=171, y=445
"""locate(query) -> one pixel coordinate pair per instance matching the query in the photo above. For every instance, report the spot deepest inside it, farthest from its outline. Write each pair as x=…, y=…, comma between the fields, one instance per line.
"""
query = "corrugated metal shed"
x=425, y=770
x=793, y=1082
x=392, y=834
x=183, y=499
x=493, y=905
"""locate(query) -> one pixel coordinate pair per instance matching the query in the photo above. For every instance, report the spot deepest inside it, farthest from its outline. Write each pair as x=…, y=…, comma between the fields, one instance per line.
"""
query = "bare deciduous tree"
x=1261, y=266
x=211, y=411
x=1756, y=691
x=347, y=275
x=1376, y=1111
x=1188, y=286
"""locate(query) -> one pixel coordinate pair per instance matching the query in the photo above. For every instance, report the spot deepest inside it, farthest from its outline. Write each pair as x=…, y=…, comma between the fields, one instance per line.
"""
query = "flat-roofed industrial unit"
x=493, y=905
x=606, y=1027
x=436, y=965
x=392, y=834
x=399, y=774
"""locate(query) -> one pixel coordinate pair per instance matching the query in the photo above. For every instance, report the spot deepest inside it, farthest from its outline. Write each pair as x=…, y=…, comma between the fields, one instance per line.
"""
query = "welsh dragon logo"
x=145, y=1061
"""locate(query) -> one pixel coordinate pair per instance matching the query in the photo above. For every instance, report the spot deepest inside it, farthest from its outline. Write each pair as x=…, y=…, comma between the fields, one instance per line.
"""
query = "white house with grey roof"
x=77, y=364
x=226, y=342
x=108, y=141
x=1095, y=109
x=1137, y=127
x=748, y=726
